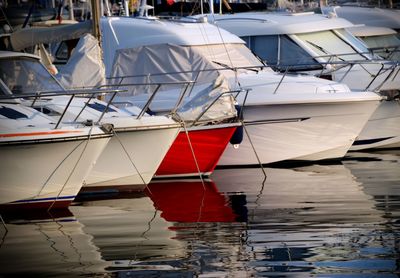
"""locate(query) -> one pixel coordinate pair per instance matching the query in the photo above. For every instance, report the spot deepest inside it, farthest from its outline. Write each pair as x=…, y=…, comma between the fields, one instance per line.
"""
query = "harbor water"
x=320, y=220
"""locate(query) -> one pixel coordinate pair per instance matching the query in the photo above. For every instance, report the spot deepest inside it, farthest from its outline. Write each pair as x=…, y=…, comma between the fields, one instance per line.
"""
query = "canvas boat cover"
x=28, y=37
x=168, y=63
x=85, y=67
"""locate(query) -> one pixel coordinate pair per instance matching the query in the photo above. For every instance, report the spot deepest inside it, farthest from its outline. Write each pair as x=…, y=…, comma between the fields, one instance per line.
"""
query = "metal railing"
x=72, y=93
x=335, y=63
x=185, y=90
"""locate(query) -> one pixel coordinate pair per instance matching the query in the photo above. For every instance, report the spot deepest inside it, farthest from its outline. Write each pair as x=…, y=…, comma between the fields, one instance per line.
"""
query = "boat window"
x=62, y=51
x=266, y=47
x=100, y=107
x=11, y=113
x=26, y=76
x=386, y=46
x=280, y=52
x=356, y=43
x=328, y=45
x=47, y=111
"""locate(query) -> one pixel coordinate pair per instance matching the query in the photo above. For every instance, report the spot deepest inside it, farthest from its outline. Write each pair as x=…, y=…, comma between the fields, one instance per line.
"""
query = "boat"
x=371, y=16
x=190, y=154
x=312, y=43
x=140, y=143
x=287, y=117
x=205, y=109
x=43, y=165
x=321, y=45
x=377, y=27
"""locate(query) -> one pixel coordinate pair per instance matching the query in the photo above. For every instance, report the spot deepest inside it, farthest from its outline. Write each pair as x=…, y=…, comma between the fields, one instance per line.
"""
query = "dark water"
x=339, y=220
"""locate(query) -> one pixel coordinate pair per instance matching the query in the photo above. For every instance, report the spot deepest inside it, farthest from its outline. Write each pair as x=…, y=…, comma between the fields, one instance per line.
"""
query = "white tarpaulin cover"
x=85, y=67
x=28, y=37
x=166, y=63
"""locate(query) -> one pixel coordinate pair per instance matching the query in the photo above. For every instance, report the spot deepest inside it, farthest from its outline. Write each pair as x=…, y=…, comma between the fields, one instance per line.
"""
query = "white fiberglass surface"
x=328, y=43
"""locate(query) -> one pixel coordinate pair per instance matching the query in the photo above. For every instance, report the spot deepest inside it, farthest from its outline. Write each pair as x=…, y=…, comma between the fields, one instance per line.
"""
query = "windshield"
x=387, y=46
x=26, y=76
x=280, y=52
x=328, y=45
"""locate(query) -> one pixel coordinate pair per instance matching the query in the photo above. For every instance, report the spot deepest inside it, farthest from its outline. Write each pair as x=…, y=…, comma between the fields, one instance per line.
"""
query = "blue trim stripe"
x=370, y=141
x=44, y=199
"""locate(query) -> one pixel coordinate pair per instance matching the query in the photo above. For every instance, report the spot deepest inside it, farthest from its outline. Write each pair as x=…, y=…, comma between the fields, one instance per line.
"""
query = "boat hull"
x=208, y=144
x=131, y=157
x=298, y=132
x=46, y=174
x=382, y=130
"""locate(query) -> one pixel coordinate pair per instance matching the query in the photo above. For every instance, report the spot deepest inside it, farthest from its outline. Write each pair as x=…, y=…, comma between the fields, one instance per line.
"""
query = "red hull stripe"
x=208, y=146
x=54, y=132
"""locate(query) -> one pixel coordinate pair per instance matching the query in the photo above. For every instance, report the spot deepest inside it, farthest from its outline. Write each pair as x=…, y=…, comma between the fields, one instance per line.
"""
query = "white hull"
x=132, y=157
x=49, y=173
x=305, y=132
x=383, y=128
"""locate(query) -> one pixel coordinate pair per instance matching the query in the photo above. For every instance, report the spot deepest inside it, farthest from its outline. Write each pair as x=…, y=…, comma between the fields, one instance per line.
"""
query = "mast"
x=96, y=19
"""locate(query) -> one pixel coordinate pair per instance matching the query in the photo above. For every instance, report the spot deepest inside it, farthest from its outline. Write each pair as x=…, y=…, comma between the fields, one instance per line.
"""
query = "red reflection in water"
x=190, y=201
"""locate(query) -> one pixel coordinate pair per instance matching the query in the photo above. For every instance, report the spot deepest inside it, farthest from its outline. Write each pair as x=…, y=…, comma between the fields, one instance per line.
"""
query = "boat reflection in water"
x=138, y=231
x=375, y=169
x=190, y=201
x=317, y=220
x=129, y=232
x=47, y=245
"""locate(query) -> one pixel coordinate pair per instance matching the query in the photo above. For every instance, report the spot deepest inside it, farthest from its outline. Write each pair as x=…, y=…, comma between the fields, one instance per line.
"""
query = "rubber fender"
x=237, y=136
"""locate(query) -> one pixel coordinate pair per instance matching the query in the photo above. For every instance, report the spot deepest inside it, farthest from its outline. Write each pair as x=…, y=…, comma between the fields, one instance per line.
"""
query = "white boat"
x=321, y=45
x=307, y=42
x=287, y=117
x=191, y=154
x=42, y=165
x=378, y=28
x=371, y=16
x=135, y=152
x=139, y=144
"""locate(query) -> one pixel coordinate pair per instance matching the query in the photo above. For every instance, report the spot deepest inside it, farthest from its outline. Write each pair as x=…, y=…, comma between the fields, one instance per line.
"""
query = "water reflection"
x=128, y=231
x=48, y=245
x=379, y=174
x=190, y=201
x=319, y=220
